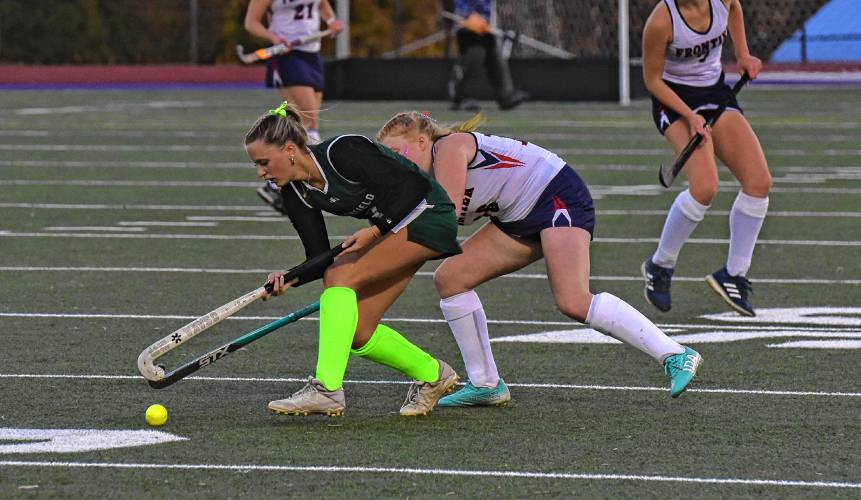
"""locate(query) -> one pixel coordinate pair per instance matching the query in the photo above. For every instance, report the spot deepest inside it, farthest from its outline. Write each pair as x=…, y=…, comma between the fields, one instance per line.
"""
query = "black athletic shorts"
x=703, y=100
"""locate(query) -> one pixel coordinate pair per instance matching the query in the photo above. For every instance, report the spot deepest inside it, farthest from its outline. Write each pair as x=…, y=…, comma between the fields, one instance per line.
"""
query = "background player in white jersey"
x=538, y=207
x=682, y=44
x=298, y=75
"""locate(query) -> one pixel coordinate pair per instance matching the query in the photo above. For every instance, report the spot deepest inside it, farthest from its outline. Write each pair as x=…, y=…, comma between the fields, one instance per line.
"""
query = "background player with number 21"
x=538, y=207
x=682, y=45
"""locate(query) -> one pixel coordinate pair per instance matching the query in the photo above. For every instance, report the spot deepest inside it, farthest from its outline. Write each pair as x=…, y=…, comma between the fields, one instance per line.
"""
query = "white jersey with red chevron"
x=505, y=178
x=292, y=19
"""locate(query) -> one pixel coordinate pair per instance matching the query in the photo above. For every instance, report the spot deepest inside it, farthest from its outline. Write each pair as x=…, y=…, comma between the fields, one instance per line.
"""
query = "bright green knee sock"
x=390, y=348
x=339, y=316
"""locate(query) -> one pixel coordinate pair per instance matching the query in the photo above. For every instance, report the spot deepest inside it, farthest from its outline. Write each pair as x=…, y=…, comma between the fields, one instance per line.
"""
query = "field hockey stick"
x=525, y=40
x=667, y=174
x=277, y=50
x=214, y=355
x=147, y=358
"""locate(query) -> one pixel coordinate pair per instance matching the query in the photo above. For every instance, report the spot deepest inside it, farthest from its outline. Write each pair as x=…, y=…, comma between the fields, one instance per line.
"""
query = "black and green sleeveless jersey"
x=366, y=180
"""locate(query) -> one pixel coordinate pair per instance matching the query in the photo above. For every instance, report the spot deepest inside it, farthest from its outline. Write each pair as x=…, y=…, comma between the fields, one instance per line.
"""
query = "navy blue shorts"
x=295, y=68
x=565, y=202
x=703, y=100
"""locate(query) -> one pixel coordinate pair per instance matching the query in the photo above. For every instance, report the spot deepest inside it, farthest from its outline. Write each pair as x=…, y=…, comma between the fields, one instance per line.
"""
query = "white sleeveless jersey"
x=292, y=19
x=693, y=57
x=505, y=178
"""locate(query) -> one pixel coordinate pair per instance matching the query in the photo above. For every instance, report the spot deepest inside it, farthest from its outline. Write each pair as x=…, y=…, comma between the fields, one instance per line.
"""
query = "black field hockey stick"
x=157, y=373
x=277, y=50
x=667, y=174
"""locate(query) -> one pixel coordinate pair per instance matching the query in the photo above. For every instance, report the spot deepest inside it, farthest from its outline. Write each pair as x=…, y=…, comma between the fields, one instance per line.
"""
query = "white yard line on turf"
x=659, y=150
x=599, y=191
x=579, y=387
x=602, y=167
x=281, y=237
x=277, y=217
x=136, y=206
x=830, y=330
x=125, y=164
x=538, y=276
x=99, y=183
x=439, y=472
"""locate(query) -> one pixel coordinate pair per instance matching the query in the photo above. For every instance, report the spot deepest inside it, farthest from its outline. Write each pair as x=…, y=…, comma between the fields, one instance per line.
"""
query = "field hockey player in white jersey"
x=682, y=45
x=298, y=75
x=538, y=207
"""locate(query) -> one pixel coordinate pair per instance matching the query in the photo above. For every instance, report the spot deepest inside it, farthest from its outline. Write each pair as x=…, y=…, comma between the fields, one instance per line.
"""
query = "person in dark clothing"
x=479, y=51
x=411, y=221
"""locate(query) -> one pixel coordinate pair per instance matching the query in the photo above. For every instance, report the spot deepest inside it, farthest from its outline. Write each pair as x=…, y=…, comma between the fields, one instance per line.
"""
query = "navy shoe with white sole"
x=734, y=290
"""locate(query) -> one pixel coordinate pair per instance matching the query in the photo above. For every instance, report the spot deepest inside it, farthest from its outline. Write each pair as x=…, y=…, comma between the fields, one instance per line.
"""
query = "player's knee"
x=575, y=305
x=704, y=192
x=341, y=275
x=362, y=336
x=447, y=283
x=759, y=185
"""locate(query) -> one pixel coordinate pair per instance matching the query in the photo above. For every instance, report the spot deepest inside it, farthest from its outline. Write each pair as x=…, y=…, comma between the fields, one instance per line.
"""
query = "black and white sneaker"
x=271, y=195
x=657, y=285
x=734, y=290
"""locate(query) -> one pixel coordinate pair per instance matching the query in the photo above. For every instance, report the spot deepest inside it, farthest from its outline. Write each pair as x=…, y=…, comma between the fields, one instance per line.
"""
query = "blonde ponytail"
x=414, y=123
x=279, y=126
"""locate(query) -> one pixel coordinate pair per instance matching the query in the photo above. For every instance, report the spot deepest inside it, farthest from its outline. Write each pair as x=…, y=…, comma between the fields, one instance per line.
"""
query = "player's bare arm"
x=746, y=63
x=327, y=14
x=453, y=154
x=254, y=21
x=657, y=34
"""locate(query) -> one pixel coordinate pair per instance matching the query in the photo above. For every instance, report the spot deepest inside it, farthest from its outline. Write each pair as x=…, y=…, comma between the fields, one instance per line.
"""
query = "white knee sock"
x=313, y=136
x=613, y=316
x=684, y=216
x=465, y=316
x=745, y=221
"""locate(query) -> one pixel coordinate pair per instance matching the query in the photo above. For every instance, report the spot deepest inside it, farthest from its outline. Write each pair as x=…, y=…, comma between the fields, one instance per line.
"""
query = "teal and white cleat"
x=681, y=369
x=471, y=395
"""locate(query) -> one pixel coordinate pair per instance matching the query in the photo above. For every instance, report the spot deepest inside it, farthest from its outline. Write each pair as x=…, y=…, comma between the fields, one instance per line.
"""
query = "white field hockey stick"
x=277, y=50
x=156, y=373
x=525, y=40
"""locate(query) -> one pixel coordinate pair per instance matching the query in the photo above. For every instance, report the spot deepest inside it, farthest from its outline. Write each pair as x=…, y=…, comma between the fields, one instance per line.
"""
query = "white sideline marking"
x=833, y=316
x=538, y=276
x=819, y=344
x=94, y=183
x=438, y=472
x=133, y=206
x=590, y=336
x=724, y=213
x=569, y=323
x=282, y=237
x=93, y=228
x=117, y=147
x=579, y=387
x=598, y=190
x=167, y=224
x=276, y=216
x=78, y=440
x=602, y=167
x=111, y=106
x=659, y=150
x=125, y=164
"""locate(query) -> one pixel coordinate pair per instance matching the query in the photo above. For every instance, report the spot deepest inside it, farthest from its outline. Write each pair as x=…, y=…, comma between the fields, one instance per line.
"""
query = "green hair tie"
x=280, y=110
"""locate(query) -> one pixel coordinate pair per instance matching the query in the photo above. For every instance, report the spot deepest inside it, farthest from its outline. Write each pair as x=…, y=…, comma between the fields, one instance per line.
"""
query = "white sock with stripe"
x=745, y=221
x=613, y=316
x=684, y=216
x=465, y=316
